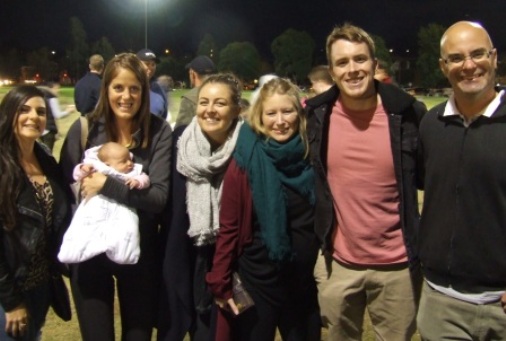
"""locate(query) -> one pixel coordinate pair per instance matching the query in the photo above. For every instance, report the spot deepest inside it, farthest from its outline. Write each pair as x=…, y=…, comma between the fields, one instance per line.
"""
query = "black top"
x=463, y=226
x=278, y=282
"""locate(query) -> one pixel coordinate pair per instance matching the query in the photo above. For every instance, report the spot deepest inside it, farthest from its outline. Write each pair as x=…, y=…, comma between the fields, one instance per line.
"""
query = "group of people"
x=309, y=209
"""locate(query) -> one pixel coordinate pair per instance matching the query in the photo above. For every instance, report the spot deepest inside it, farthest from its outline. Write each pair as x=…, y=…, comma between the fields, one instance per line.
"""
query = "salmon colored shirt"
x=362, y=180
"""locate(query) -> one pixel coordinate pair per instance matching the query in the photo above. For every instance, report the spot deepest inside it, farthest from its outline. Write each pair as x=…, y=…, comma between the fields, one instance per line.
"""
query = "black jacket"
x=177, y=303
x=18, y=245
x=404, y=114
x=463, y=226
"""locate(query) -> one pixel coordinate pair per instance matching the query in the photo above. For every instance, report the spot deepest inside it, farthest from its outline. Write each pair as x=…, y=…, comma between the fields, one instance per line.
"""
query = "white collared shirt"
x=452, y=110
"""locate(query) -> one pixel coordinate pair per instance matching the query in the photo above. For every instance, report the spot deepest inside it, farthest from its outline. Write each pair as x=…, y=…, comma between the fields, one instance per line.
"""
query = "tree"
x=241, y=58
x=208, y=47
x=293, y=54
x=78, y=50
x=501, y=70
x=43, y=65
x=381, y=49
x=104, y=48
x=172, y=66
x=11, y=63
x=428, y=55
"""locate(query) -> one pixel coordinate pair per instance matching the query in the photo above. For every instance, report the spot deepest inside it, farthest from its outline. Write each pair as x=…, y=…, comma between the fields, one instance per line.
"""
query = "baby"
x=110, y=157
x=101, y=224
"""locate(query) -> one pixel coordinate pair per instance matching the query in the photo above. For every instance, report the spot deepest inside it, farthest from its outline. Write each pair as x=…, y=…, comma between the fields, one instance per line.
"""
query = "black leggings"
x=297, y=320
x=93, y=286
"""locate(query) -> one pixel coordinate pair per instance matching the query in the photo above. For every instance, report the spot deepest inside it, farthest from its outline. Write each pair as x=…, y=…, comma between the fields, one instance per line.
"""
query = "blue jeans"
x=37, y=303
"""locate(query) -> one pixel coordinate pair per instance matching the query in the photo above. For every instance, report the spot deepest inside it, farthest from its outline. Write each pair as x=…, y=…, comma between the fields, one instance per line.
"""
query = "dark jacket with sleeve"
x=463, y=227
x=18, y=245
x=157, y=89
x=184, y=291
x=87, y=92
x=177, y=310
x=187, y=107
x=155, y=160
x=404, y=114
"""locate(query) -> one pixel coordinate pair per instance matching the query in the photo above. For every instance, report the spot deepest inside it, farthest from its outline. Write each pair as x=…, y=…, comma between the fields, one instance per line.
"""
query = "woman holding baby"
x=122, y=116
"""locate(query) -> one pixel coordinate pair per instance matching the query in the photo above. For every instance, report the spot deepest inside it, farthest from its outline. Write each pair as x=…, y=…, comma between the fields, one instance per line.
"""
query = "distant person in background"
x=157, y=96
x=54, y=112
x=166, y=83
x=320, y=79
x=381, y=73
x=198, y=70
x=261, y=82
x=245, y=105
x=87, y=89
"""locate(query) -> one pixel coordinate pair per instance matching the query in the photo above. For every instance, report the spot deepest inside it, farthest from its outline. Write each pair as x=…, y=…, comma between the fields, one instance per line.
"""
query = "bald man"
x=462, y=235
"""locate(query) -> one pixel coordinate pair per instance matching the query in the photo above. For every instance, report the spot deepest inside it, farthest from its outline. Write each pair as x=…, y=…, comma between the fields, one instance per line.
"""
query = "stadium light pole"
x=146, y=24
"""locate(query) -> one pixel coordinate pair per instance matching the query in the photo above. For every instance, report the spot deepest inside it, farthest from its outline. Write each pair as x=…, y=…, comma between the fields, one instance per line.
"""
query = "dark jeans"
x=37, y=304
x=93, y=286
x=297, y=320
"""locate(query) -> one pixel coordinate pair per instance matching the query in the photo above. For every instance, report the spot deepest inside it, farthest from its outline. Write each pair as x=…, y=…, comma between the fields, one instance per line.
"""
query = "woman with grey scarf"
x=202, y=152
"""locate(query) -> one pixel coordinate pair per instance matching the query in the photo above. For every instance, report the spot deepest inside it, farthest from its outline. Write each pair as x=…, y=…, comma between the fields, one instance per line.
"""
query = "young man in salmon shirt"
x=363, y=136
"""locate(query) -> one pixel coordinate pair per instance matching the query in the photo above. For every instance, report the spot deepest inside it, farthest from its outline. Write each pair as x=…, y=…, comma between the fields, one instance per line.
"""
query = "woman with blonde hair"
x=266, y=231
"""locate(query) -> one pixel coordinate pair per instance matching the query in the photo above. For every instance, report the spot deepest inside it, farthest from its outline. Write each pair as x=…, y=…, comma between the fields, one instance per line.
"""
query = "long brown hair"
x=11, y=173
x=141, y=120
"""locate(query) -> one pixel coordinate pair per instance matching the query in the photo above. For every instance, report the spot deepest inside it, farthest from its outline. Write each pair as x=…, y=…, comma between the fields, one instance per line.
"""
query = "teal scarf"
x=270, y=166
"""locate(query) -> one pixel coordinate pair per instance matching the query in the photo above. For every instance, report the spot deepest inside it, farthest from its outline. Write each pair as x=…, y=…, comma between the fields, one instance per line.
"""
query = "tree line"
x=293, y=56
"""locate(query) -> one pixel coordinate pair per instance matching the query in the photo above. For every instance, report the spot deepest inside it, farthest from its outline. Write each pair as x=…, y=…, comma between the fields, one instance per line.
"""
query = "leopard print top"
x=38, y=268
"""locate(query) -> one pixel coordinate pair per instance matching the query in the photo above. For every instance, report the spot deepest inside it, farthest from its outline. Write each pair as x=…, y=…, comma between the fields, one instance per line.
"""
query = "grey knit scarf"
x=204, y=170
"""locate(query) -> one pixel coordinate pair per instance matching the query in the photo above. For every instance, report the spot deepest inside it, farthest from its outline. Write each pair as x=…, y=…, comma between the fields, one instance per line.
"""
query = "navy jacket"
x=87, y=92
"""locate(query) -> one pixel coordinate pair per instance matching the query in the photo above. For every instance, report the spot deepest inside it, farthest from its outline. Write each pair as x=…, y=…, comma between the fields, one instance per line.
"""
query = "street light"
x=146, y=24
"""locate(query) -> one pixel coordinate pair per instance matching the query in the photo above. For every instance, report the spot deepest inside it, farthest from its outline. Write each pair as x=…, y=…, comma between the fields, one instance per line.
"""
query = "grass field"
x=57, y=330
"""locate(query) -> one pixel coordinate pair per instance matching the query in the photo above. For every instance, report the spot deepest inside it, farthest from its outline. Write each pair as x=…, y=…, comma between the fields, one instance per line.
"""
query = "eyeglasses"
x=477, y=56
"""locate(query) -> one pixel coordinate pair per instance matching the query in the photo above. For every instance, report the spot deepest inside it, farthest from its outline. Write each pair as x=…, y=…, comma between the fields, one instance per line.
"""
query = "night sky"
x=179, y=25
